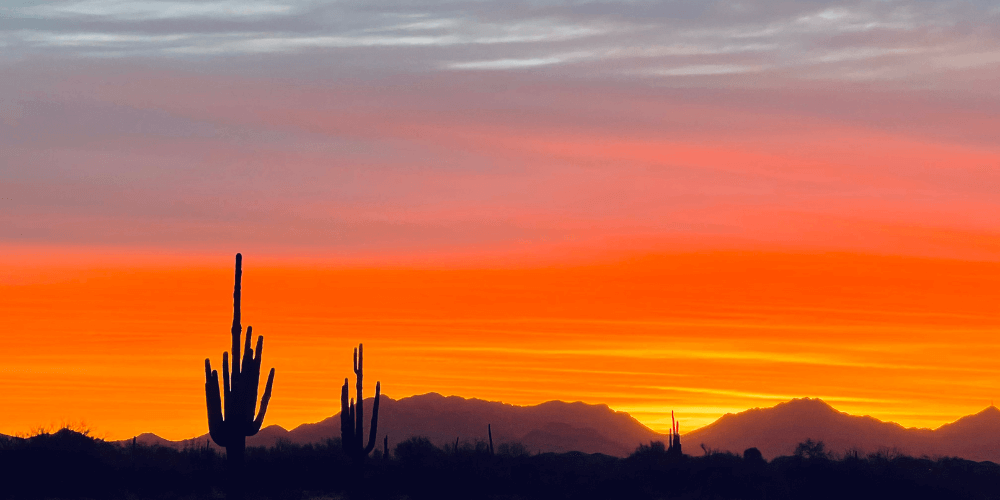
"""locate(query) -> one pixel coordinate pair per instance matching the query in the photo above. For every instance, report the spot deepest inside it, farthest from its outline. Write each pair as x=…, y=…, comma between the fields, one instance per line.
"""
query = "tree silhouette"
x=240, y=393
x=811, y=449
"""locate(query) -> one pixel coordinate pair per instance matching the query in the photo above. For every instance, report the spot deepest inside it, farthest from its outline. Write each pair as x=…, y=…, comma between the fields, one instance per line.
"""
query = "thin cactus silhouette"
x=231, y=428
x=674, y=448
x=489, y=431
x=352, y=414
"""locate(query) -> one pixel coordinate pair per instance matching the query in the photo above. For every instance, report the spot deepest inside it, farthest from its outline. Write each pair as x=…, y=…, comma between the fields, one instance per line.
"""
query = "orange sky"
x=704, y=333
x=691, y=206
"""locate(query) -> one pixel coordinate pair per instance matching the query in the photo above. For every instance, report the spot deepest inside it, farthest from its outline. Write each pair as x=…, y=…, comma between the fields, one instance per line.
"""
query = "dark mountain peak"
x=430, y=399
x=990, y=410
x=792, y=409
x=777, y=430
x=807, y=405
x=986, y=420
x=579, y=407
x=274, y=429
x=987, y=415
x=576, y=404
x=430, y=396
x=148, y=439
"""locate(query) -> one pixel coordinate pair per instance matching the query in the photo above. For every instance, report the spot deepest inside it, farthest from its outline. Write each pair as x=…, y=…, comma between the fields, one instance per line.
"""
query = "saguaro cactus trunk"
x=239, y=391
x=352, y=414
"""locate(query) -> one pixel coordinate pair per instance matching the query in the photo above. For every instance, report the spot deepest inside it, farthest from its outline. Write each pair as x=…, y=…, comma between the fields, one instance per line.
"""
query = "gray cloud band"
x=866, y=40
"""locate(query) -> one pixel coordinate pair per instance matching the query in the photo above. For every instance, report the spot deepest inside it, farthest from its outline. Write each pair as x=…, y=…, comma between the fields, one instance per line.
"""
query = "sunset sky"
x=699, y=206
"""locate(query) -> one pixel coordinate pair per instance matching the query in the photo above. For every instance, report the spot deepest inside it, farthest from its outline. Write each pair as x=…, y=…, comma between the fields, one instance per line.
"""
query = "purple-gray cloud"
x=400, y=126
x=848, y=40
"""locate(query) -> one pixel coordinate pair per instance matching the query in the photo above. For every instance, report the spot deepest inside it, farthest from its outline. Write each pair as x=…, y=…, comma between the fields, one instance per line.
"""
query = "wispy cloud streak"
x=144, y=10
x=903, y=40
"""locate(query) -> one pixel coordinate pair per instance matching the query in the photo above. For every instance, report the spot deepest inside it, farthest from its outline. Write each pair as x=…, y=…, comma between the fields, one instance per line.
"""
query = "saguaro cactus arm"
x=359, y=407
x=374, y=428
x=266, y=398
x=346, y=422
x=214, y=403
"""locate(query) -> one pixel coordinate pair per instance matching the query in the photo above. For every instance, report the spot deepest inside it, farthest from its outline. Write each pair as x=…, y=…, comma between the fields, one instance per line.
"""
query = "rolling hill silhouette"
x=557, y=426
x=776, y=431
x=554, y=426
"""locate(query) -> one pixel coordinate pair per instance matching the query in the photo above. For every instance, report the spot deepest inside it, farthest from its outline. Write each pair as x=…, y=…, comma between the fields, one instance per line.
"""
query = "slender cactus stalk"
x=489, y=431
x=239, y=393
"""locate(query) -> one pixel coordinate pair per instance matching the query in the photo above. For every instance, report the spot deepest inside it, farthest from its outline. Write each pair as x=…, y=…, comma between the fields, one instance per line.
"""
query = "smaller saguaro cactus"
x=675, y=437
x=352, y=414
x=230, y=429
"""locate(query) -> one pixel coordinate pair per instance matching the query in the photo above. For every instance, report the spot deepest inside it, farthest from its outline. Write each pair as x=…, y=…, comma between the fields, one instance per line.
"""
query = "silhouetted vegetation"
x=239, y=391
x=68, y=464
x=352, y=415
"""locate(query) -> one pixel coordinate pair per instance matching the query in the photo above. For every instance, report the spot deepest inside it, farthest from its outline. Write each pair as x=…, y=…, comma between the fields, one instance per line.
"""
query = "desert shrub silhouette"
x=812, y=450
x=753, y=456
x=419, y=452
x=513, y=449
x=230, y=425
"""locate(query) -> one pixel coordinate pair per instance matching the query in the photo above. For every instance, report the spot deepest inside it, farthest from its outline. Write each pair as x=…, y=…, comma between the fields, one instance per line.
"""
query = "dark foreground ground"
x=71, y=465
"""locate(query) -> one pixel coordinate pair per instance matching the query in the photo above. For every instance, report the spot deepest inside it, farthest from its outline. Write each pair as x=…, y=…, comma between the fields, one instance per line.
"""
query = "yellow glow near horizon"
x=903, y=339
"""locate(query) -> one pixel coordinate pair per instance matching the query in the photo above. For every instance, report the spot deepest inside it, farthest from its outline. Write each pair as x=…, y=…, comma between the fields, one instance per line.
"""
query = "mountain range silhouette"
x=557, y=426
x=776, y=431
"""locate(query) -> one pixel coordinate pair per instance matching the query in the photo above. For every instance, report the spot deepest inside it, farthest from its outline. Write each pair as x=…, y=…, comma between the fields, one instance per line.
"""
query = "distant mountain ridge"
x=557, y=426
x=776, y=431
x=554, y=426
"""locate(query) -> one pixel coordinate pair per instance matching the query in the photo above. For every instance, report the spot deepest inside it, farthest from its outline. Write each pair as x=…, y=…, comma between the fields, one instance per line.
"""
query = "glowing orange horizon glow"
x=912, y=340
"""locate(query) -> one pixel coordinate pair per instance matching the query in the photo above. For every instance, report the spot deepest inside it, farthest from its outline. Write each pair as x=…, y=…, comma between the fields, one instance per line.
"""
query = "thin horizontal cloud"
x=698, y=351
x=706, y=69
x=265, y=43
x=144, y=10
x=508, y=63
x=98, y=39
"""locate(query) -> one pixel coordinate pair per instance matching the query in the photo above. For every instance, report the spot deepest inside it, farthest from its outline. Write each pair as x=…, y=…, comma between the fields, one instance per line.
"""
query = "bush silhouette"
x=753, y=456
x=811, y=450
x=418, y=452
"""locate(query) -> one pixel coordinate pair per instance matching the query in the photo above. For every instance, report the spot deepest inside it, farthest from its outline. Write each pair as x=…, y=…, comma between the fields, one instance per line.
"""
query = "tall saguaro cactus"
x=352, y=414
x=239, y=389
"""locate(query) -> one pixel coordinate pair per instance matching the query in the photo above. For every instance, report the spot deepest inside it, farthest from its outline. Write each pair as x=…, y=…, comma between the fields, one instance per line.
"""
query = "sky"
x=692, y=206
